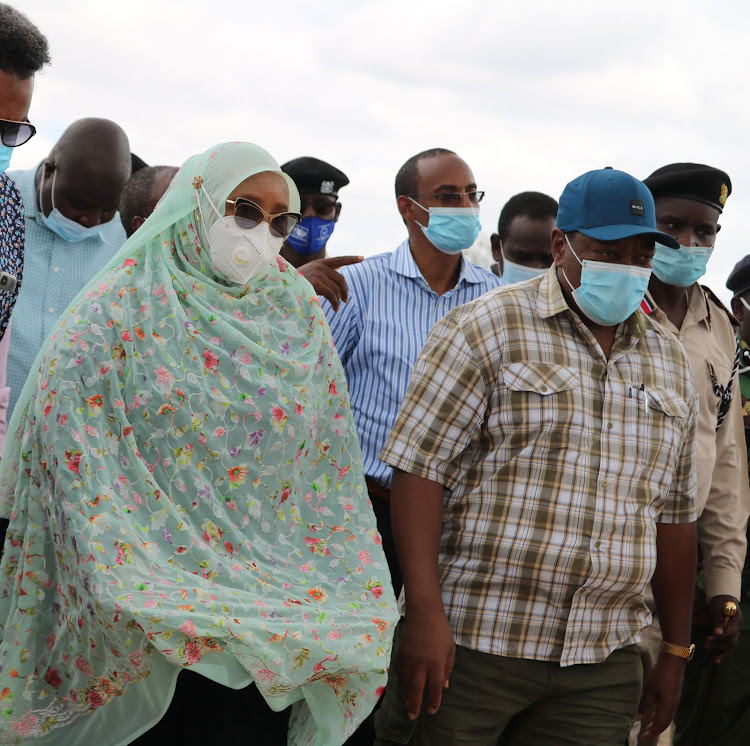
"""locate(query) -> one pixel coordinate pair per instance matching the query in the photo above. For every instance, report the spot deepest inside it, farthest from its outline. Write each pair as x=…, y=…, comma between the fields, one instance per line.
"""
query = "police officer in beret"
x=318, y=184
x=715, y=706
x=689, y=198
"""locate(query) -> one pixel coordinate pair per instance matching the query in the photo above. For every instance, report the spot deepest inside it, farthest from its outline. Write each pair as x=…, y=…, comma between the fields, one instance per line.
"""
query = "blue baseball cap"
x=608, y=205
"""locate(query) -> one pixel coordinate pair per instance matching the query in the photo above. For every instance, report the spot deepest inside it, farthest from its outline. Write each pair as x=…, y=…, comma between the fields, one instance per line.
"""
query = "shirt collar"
x=402, y=262
x=25, y=180
x=550, y=298
x=697, y=305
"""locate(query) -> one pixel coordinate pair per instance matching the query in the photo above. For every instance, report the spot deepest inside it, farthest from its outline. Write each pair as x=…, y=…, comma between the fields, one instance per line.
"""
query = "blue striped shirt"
x=55, y=271
x=380, y=332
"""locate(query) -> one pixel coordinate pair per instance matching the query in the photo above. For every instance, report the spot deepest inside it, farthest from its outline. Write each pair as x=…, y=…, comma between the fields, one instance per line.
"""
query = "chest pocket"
x=667, y=402
x=665, y=423
x=541, y=404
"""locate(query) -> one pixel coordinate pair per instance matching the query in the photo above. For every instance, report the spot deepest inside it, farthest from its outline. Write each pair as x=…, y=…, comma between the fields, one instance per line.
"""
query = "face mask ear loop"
x=570, y=284
x=198, y=184
x=426, y=209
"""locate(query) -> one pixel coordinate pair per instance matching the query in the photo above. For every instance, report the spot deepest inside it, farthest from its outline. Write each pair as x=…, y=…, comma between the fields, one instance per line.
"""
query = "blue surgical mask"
x=5, y=154
x=451, y=229
x=311, y=235
x=513, y=272
x=682, y=267
x=609, y=293
x=64, y=227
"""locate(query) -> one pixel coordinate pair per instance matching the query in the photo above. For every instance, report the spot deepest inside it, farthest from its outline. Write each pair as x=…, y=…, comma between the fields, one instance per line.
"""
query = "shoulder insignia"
x=710, y=295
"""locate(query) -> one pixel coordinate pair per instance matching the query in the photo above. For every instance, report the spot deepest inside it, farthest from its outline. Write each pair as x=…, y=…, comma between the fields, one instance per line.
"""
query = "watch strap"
x=678, y=650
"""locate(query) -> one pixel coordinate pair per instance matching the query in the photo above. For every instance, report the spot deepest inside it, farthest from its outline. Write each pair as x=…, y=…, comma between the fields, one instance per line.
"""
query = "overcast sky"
x=530, y=94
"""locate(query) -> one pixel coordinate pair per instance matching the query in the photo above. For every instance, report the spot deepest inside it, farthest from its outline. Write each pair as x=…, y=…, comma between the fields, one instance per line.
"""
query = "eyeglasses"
x=247, y=215
x=322, y=207
x=13, y=134
x=452, y=199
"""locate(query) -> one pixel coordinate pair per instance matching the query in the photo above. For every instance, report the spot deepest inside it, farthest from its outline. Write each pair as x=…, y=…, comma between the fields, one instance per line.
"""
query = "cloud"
x=530, y=94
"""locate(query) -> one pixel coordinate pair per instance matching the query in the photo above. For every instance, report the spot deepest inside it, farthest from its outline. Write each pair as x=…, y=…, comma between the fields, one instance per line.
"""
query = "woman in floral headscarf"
x=185, y=487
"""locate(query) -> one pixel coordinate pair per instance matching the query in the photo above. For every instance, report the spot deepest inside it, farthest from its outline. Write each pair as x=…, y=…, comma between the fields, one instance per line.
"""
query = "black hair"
x=137, y=194
x=407, y=178
x=534, y=205
x=23, y=48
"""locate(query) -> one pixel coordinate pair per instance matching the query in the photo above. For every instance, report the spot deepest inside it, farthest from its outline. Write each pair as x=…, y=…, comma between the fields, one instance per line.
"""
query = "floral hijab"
x=185, y=489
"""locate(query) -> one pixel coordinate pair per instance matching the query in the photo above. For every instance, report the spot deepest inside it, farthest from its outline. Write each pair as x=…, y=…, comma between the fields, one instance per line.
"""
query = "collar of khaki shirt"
x=697, y=310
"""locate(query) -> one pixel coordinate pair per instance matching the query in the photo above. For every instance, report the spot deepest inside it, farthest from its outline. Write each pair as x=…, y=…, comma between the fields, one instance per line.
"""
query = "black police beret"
x=739, y=278
x=693, y=181
x=313, y=176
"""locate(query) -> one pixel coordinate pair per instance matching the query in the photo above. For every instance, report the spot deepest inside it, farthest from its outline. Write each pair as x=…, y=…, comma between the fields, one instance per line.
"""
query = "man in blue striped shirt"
x=396, y=298
x=71, y=201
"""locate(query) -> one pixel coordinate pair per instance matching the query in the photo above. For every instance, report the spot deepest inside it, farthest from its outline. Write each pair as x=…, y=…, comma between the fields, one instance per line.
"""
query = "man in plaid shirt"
x=544, y=474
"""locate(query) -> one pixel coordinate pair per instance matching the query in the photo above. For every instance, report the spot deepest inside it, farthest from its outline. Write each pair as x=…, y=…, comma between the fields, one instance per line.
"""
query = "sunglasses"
x=247, y=215
x=13, y=134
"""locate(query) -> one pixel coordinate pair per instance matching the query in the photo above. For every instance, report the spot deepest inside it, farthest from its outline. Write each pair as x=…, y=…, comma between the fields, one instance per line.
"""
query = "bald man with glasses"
x=396, y=298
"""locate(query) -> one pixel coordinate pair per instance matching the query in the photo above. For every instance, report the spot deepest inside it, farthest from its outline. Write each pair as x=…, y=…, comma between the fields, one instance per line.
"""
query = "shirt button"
x=51, y=310
x=57, y=269
x=609, y=426
x=597, y=543
x=543, y=388
x=604, y=482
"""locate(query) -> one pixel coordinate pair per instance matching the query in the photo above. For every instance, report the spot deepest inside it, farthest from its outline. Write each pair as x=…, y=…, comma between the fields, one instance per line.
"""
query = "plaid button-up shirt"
x=557, y=464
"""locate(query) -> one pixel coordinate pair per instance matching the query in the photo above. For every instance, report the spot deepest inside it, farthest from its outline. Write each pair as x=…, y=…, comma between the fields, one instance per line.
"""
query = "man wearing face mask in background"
x=23, y=52
x=715, y=704
x=394, y=300
x=522, y=246
x=689, y=199
x=71, y=200
x=544, y=473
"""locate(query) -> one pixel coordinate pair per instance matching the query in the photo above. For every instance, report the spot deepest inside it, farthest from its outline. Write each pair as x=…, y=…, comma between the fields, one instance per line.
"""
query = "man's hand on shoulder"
x=326, y=281
x=425, y=659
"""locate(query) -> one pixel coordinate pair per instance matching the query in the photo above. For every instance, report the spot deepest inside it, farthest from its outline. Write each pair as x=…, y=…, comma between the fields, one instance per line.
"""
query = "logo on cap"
x=636, y=208
x=326, y=187
x=723, y=195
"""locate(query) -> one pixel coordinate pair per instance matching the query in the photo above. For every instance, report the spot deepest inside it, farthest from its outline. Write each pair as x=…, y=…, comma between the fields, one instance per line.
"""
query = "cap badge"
x=637, y=208
x=326, y=187
x=723, y=195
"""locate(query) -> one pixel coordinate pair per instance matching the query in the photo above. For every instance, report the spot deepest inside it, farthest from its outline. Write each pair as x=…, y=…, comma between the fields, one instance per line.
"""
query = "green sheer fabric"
x=184, y=486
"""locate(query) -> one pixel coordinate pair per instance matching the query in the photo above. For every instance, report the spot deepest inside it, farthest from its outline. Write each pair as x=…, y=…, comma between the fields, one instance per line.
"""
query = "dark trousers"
x=382, y=511
x=715, y=706
x=204, y=712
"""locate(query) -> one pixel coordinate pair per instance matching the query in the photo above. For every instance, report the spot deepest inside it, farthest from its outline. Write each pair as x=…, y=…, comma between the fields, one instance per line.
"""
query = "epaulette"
x=710, y=295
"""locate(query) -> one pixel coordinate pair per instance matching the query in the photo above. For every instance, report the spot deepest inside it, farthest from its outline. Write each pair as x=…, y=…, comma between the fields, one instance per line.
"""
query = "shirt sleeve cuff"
x=723, y=582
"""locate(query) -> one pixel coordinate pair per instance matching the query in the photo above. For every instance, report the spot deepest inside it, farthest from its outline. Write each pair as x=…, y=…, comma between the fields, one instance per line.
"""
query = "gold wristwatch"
x=679, y=650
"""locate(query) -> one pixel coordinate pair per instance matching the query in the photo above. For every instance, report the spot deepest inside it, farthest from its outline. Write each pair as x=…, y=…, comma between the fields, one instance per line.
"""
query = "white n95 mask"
x=240, y=253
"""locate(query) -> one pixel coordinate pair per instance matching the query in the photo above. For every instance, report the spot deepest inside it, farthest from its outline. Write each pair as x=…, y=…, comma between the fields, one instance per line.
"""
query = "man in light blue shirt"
x=396, y=298
x=71, y=199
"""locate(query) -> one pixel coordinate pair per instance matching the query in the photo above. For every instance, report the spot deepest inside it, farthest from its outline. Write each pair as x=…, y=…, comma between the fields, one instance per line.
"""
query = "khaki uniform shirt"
x=723, y=494
x=557, y=464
